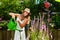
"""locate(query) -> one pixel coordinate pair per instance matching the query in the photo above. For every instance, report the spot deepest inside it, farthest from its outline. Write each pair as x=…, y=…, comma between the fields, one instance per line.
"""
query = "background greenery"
x=17, y=6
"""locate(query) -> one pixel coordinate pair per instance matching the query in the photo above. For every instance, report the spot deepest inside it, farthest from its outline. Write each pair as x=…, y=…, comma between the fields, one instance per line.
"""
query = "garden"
x=44, y=23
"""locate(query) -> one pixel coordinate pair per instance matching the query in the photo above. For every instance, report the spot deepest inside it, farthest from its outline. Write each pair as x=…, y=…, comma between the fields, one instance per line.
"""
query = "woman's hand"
x=12, y=14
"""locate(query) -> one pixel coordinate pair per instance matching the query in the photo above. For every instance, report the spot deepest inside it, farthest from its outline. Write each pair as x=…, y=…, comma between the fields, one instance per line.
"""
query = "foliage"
x=3, y=23
x=7, y=6
x=56, y=20
x=56, y=5
x=35, y=35
x=17, y=6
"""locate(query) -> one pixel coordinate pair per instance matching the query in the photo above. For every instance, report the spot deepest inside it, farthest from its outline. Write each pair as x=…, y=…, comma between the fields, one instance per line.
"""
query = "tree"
x=7, y=6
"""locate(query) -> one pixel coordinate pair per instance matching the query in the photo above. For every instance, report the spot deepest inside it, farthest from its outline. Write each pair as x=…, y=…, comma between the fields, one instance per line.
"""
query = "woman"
x=22, y=20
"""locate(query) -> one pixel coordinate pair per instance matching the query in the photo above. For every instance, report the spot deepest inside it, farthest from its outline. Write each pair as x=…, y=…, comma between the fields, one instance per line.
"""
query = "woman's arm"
x=28, y=20
x=24, y=23
x=14, y=15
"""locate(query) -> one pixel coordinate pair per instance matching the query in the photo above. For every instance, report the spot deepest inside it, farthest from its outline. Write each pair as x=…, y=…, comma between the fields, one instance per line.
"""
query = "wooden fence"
x=8, y=35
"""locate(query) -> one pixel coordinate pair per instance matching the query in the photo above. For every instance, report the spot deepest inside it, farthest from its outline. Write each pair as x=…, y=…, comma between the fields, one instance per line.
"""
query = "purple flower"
x=32, y=22
x=43, y=27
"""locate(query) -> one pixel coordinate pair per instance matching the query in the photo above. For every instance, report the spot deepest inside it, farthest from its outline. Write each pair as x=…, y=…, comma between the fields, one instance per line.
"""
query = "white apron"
x=19, y=35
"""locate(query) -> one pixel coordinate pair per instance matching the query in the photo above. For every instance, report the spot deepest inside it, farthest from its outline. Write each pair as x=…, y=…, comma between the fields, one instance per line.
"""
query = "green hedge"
x=7, y=6
x=16, y=6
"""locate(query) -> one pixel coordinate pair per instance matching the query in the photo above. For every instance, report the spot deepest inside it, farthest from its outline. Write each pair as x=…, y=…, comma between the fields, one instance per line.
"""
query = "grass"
x=35, y=35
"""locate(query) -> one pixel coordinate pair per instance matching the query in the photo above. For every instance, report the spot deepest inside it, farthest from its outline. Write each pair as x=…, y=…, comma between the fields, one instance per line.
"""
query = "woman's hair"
x=28, y=14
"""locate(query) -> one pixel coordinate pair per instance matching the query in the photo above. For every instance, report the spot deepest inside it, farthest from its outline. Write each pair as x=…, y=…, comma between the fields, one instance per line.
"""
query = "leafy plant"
x=3, y=23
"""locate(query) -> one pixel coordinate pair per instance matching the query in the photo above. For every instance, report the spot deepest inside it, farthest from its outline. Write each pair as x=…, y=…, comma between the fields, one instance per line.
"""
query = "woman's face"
x=25, y=13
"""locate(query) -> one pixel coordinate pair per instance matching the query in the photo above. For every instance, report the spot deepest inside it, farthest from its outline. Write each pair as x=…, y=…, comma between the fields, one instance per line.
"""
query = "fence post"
x=1, y=37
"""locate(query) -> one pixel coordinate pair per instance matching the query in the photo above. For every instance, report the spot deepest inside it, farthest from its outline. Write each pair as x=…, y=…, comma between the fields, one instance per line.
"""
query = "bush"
x=7, y=6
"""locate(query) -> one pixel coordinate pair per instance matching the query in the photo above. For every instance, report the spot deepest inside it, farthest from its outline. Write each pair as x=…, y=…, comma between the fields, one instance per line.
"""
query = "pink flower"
x=43, y=27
